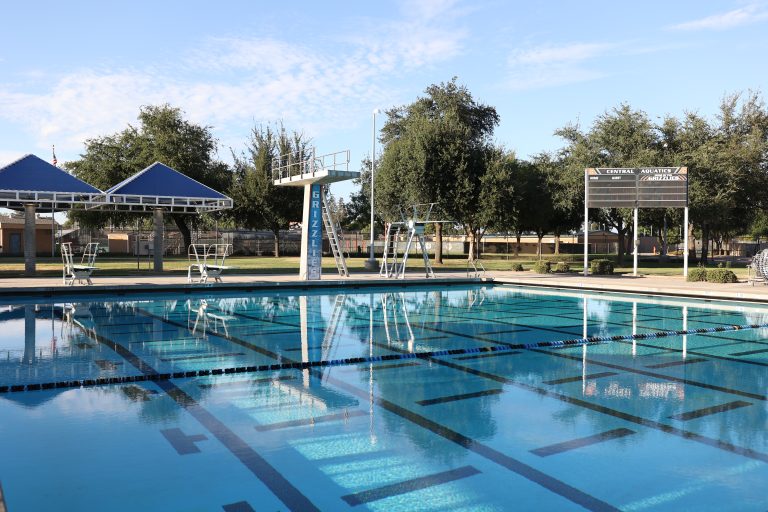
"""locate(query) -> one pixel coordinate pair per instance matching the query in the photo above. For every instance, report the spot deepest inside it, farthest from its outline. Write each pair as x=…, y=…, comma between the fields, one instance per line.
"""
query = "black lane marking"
x=237, y=341
x=406, y=486
x=750, y=352
x=244, y=383
x=454, y=398
x=706, y=411
x=732, y=338
x=492, y=354
x=677, y=363
x=669, y=429
x=181, y=442
x=503, y=331
x=534, y=475
x=203, y=356
x=240, y=506
x=309, y=421
x=577, y=378
x=275, y=482
x=703, y=354
x=263, y=470
x=659, y=376
x=553, y=449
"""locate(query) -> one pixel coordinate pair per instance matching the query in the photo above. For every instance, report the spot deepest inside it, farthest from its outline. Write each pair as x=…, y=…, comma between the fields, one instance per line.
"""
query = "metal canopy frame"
x=17, y=199
x=171, y=204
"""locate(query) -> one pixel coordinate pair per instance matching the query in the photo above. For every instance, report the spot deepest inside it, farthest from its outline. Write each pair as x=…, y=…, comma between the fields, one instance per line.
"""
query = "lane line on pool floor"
x=155, y=376
x=280, y=486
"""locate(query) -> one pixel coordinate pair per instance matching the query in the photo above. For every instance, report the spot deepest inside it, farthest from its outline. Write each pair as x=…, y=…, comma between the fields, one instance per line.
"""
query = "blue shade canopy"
x=160, y=180
x=31, y=173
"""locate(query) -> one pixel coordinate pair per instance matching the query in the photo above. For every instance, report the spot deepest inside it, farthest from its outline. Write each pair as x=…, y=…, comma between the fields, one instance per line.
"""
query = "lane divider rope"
x=592, y=340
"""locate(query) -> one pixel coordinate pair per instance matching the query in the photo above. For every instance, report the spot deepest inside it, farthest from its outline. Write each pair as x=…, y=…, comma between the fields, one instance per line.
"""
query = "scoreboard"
x=612, y=188
x=629, y=187
x=662, y=187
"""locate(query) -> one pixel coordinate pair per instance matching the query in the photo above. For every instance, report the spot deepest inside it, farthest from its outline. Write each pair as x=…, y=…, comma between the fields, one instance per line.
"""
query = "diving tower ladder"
x=334, y=232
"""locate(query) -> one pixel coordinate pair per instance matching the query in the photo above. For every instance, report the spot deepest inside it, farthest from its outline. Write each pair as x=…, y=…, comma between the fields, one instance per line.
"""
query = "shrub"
x=542, y=267
x=517, y=267
x=562, y=267
x=601, y=267
x=697, y=274
x=719, y=275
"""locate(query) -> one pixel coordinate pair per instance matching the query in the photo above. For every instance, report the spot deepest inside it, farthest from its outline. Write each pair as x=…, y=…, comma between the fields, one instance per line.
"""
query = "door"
x=15, y=240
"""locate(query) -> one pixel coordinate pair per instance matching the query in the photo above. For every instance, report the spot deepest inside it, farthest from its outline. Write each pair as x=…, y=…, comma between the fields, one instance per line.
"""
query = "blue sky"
x=80, y=69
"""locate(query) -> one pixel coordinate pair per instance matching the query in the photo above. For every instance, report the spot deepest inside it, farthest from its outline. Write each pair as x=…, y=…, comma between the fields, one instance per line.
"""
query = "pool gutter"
x=121, y=290
x=637, y=289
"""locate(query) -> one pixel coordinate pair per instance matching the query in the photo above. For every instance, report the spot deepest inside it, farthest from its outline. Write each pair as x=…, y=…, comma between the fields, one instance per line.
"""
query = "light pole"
x=370, y=263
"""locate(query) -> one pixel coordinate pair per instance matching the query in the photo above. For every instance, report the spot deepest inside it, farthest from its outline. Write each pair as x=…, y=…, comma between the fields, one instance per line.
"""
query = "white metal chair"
x=758, y=269
x=208, y=262
x=83, y=271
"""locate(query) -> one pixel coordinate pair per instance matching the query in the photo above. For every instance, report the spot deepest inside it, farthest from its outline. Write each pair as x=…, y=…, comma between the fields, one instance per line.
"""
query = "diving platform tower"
x=315, y=174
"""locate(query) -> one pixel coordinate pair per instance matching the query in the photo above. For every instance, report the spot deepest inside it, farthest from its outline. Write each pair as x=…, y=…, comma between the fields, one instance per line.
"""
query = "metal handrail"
x=475, y=271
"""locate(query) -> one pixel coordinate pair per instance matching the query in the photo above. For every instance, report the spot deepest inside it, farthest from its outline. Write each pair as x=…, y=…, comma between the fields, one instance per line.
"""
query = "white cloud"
x=234, y=82
x=9, y=156
x=556, y=65
x=727, y=20
x=560, y=54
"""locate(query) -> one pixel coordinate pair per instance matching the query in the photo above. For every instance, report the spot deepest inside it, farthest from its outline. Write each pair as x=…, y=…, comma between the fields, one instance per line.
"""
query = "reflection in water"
x=49, y=343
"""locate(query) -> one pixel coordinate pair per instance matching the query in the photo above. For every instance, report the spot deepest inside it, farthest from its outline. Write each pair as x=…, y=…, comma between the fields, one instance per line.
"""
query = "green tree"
x=436, y=150
x=163, y=135
x=535, y=208
x=621, y=137
x=359, y=205
x=259, y=203
x=564, y=194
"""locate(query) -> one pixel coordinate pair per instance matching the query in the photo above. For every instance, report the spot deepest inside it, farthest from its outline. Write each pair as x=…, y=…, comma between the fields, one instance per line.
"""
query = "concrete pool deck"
x=661, y=285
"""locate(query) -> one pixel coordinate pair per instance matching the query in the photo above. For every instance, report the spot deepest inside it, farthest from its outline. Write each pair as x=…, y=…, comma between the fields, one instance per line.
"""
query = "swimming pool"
x=307, y=400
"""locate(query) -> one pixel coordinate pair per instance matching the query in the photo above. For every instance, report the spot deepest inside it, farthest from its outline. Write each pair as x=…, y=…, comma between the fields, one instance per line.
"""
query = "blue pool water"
x=672, y=423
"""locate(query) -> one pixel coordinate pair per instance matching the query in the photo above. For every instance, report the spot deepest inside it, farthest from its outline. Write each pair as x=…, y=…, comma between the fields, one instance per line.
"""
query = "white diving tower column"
x=315, y=174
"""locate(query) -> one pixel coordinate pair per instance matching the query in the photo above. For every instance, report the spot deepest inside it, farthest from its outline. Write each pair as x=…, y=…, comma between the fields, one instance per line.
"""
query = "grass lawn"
x=117, y=266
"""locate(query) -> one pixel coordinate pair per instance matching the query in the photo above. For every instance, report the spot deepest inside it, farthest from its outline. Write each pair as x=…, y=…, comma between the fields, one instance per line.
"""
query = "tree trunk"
x=540, y=235
x=664, y=246
x=471, y=235
x=691, y=241
x=517, y=244
x=704, y=244
x=557, y=243
x=439, y=243
x=478, y=246
x=620, y=248
x=186, y=235
x=276, y=233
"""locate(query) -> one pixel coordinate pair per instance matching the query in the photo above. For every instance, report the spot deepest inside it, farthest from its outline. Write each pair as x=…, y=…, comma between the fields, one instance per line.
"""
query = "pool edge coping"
x=632, y=290
x=139, y=288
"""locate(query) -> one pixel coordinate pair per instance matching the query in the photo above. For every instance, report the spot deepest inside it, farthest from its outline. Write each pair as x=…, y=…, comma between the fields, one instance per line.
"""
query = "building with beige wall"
x=12, y=235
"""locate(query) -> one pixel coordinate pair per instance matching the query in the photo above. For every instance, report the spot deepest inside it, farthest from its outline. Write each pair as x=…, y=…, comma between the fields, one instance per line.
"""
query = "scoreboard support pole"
x=636, y=245
x=685, y=243
x=586, y=225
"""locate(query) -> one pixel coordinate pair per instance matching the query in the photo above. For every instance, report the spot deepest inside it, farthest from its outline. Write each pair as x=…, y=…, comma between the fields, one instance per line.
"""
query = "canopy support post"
x=30, y=243
x=157, y=217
